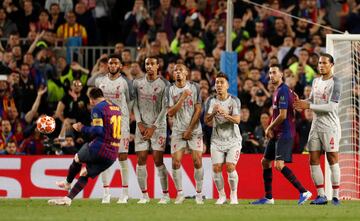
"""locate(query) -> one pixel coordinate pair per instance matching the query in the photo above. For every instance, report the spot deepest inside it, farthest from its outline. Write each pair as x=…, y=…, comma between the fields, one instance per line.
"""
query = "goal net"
x=345, y=49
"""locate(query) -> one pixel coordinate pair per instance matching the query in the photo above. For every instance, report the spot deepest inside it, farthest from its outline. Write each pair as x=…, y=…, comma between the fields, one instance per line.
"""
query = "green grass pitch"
x=37, y=209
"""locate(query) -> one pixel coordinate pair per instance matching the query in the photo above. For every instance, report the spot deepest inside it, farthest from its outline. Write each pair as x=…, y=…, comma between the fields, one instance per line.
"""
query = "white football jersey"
x=224, y=132
x=120, y=92
x=149, y=106
x=324, y=92
x=183, y=117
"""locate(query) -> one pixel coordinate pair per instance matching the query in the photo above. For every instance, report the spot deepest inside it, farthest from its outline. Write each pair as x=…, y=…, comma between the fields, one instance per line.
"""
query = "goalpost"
x=345, y=49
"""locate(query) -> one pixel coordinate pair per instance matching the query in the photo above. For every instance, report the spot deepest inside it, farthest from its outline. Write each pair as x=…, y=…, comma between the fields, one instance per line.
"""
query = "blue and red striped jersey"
x=284, y=99
x=106, y=127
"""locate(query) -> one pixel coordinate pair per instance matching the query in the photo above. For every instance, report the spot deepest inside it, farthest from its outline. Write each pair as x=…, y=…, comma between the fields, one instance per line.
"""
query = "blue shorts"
x=94, y=163
x=279, y=149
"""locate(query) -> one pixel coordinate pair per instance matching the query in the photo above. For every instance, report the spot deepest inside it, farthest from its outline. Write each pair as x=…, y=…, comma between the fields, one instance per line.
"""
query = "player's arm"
x=197, y=109
x=210, y=113
x=235, y=117
x=174, y=108
x=332, y=104
x=278, y=120
x=162, y=113
x=97, y=124
x=130, y=94
x=283, y=98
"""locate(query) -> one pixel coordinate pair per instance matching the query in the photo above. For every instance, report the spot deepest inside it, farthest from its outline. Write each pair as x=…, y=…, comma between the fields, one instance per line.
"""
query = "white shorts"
x=230, y=154
x=195, y=143
x=327, y=141
x=124, y=143
x=156, y=142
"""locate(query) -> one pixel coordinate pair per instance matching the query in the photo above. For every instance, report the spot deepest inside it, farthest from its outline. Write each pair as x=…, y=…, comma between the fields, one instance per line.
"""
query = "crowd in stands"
x=37, y=77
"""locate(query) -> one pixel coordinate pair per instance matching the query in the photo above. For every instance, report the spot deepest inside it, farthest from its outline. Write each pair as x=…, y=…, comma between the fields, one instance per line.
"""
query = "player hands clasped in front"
x=150, y=134
x=223, y=114
x=280, y=132
x=325, y=129
x=118, y=89
x=101, y=153
x=184, y=105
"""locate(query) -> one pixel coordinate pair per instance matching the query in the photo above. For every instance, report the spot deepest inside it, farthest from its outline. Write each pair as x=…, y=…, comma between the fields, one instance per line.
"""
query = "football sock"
x=74, y=169
x=292, y=179
x=267, y=176
x=79, y=185
x=219, y=182
x=124, y=176
x=163, y=175
x=141, y=173
x=233, y=180
x=318, y=178
x=335, y=179
x=199, y=177
x=177, y=176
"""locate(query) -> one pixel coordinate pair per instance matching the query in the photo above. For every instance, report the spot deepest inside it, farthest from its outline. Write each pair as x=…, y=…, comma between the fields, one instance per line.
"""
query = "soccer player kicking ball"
x=102, y=151
x=280, y=132
x=150, y=115
x=325, y=130
x=223, y=114
x=184, y=105
x=118, y=89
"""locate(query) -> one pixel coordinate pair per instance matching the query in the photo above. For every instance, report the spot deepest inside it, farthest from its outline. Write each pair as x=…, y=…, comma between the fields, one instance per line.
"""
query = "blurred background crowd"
x=37, y=75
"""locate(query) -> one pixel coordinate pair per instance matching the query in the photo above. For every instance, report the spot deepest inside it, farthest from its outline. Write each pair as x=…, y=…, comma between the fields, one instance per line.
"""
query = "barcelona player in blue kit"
x=280, y=133
x=101, y=153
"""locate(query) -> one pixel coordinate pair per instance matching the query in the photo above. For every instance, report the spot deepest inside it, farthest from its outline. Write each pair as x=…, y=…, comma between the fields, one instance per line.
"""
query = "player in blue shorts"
x=280, y=133
x=101, y=153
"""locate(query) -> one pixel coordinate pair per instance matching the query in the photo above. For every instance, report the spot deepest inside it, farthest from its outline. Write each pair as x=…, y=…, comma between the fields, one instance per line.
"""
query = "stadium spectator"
x=71, y=31
x=10, y=149
x=7, y=26
x=6, y=133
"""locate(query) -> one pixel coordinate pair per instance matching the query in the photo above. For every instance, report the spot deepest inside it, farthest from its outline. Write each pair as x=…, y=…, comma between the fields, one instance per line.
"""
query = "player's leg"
x=196, y=145
x=217, y=159
x=314, y=146
x=82, y=156
x=333, y=159
x=177, y=154
x=198, y=175
x=331, y=142
x=123, y=155
x=269, y=156
x=141, y=173
x=283, y=154
x=158, y=145
x=232, y=158
x=163, y=175
x=141, y=149
x=106, y=179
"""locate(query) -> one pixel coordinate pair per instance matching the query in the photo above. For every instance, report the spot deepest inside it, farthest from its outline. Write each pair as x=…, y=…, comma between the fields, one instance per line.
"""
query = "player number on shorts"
x=116, y=122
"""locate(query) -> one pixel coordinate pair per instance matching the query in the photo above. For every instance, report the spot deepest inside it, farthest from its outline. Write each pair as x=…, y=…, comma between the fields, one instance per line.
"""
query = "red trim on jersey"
x=335, y=187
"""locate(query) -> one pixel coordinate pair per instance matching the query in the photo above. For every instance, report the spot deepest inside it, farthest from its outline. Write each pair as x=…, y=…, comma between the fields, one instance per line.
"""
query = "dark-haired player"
x=325, y=132
x=150, y=134
x=118, y=89
x=184, y=105
x=101, y=153
x=222, y=113
x=281, y=132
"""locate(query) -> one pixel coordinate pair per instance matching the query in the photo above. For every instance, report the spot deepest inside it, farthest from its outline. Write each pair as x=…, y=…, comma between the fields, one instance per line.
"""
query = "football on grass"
x=45, y=124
